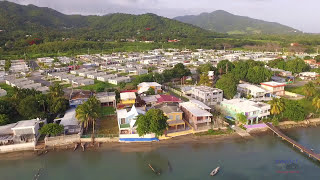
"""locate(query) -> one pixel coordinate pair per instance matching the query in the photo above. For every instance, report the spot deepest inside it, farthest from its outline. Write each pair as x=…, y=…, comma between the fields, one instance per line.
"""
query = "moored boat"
x=215, y=171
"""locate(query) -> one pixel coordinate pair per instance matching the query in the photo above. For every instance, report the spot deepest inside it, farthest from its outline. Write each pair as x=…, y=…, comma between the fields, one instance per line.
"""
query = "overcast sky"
x=300, y=14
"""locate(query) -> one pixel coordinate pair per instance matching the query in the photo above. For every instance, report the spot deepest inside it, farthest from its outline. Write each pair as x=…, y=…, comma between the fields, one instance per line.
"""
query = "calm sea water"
x=263, y=157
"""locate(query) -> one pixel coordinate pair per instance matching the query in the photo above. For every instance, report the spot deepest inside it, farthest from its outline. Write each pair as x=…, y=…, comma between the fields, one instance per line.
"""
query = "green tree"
x=58, y=105
x=7, y=108
x=277, y=106
x=180, y=70
x=204, y=80
x=88, y=113
x=228, y=83
x=7, y=65
x=317, y=58
x=56, y=90
x=316, y=102
x=150, y=91
x=122, y=85
x=52, y=129
x=297, y=66
x=225, y=66
x=30, y=108
x=294, y=111
x=309, y=89
x=154, y=121
x=258, y=75
x=4, y=119
x=205, y=68
x=242, y=118
x=241, y=69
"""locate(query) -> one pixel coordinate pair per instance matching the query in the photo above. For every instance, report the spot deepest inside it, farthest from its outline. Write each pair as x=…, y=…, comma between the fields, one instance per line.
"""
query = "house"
x=255, y=92
x=118, y=80
x=274, y=88
x=211, y=75
x=127, y=120
x=3, y=92
x=77, y=98
x=25, y=132
x=70, y=123
x=83, y=82
x=95, y=75
x=105, y=78
x=309, y=75
x=163, y=98
x=175, y=116
x=207, y=95
x=195, y=115
x=128, y=98
x=144, y=87
x=254, y=111
x=107, y=99
x=134, y=72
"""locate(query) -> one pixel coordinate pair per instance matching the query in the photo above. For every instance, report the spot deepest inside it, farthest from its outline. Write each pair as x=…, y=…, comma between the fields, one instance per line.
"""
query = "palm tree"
x=56, y=90
x=242, y=118
x=316, y=102
x=277, y=106
x=309, y=89
x=88, y=112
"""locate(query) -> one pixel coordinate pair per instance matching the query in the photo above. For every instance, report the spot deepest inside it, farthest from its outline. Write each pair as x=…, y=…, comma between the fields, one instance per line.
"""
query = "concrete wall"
x=62, y=140
x=17, y=147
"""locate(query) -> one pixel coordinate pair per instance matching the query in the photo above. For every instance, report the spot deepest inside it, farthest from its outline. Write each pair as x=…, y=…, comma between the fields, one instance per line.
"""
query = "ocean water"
x=262, y=157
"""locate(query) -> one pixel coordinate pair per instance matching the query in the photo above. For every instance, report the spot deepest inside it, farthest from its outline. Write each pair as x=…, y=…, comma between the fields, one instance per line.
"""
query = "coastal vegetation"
x=154, y=121
x=212, y=132
x=51, y=129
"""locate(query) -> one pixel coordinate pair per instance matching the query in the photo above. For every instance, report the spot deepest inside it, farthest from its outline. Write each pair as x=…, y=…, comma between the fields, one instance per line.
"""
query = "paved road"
x=37, y=77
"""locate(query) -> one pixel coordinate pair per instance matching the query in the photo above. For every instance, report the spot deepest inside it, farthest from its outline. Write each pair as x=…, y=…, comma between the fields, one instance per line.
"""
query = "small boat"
x=156, y=172
x=215, y=171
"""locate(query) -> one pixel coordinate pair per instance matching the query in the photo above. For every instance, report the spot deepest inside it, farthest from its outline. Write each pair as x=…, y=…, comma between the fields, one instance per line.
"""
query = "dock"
x=294, y=143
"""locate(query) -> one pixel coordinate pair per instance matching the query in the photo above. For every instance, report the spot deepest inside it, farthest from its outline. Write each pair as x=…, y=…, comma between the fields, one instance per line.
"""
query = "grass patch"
x=98, y=86
x=212, y=132
x=297, y=90
x=178, y=96
x=108, y=125
x=106, y=111
x=8, y=88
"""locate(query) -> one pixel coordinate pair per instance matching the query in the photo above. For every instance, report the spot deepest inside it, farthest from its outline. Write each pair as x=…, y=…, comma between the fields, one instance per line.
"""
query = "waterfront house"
x=107, y=99
x=207, y=95
x=127, y=120
x=144, y=87
x=175, y=116
x=195, y=114
x=254, y=111
x=70, y=122
x=274, y=88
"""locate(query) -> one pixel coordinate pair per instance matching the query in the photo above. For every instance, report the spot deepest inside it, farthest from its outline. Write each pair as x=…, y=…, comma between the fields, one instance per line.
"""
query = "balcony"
x=208, y=120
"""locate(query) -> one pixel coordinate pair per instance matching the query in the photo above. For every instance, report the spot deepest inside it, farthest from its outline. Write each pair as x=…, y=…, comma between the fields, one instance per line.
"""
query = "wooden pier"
x=293, y=142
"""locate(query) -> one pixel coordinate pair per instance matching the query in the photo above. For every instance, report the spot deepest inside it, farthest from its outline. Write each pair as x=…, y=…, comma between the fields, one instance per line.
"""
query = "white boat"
x=215, y=171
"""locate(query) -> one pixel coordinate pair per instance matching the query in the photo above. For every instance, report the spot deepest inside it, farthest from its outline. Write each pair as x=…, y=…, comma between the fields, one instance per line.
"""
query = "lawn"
x=108, y=126
x=98, y=86
x=106, y=111
x=297, y=90
x=178, y=96
x=8, y=88
x=211, y=132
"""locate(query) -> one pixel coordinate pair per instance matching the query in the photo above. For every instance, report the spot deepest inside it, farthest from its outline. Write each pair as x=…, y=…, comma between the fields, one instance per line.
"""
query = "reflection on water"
x=247, y=159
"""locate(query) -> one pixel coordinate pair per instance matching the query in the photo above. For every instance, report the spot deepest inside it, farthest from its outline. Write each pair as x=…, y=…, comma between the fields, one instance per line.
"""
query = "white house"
x=144, y=87
x=255, y=92
x=118, y=80
x=106, y=77
x=127, y=120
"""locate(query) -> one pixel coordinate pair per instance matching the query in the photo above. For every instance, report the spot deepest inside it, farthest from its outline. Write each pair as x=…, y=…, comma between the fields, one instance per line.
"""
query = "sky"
x=300, y=14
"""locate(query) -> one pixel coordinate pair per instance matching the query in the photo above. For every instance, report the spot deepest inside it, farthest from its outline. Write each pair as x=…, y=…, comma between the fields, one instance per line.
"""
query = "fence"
x=61, y=140
x=101, y=136
x=17, y=147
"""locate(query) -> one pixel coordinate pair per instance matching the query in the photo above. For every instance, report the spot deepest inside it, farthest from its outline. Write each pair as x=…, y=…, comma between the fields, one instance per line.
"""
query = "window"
x=177, y=117
x=170, y=117
x=123, y=120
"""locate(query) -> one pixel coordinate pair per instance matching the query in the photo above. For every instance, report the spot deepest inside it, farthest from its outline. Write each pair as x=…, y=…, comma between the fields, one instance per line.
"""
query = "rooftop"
x=127, y=95
x=273, y=84
x=245, y=105
x=26, y=123
x=168, y=109
x=251, y=87
x=207, y=89
x=195, y=110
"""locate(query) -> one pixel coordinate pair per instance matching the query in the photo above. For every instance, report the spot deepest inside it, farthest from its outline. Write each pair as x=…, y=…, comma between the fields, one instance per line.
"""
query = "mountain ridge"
x=224, y=22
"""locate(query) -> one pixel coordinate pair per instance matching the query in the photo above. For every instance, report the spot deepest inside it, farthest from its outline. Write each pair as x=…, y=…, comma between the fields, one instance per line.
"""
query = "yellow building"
x=174, y=114
x=128, y=98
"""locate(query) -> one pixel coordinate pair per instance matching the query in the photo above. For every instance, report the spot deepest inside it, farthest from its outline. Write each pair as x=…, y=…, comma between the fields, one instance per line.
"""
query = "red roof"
x=167, y=98
x=129, y=91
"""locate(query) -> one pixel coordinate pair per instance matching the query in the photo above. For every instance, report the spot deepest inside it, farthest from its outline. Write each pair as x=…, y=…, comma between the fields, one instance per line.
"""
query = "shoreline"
x=150, y=146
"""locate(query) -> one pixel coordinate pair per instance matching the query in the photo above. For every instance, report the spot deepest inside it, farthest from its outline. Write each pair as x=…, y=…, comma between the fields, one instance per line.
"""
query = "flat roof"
x=252, y=87
x=25, y=123
x=169, y=109
x=245, y=105
x=127, y=95
x=273, y=84
x=195, y=110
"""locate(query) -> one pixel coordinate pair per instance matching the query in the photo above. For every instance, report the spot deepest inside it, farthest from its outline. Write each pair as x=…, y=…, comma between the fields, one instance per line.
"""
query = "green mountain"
x=224, y=22
x=18, y=21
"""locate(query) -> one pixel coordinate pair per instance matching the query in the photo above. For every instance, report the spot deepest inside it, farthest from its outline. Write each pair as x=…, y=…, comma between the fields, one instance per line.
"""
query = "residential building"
x=118, y=80
x=77, y=98
x=107, y=99
x=134, y=72
x=144, y=87
x=175, y=116
x=95, y=75
x=208, y=95
x=105, y=78
x=70, y=122
x=128, y=98
x=255, y=92
x=3, y=92
x=309, y=75
x=195, y=115
x=274, y=88
x=254, y=111
x=127, y=120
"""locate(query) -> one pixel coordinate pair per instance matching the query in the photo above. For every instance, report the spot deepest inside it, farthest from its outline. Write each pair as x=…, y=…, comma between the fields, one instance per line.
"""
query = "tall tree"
x=294, y=111
x=154, y=121
x=88, y=113
x=258, y=75
x=56, y=90
x=316, y=102
x=228, y=83
x=277, y=106
x=225, y=66
x=242, y=118
x=309, y=89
